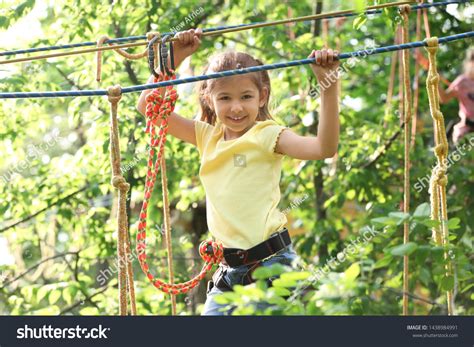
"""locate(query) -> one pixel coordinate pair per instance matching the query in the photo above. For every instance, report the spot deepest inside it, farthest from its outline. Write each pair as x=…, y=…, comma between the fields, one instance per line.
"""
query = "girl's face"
x=236, y=101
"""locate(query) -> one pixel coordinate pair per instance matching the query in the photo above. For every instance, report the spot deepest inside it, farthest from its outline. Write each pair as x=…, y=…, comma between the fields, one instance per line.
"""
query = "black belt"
x=236, y=257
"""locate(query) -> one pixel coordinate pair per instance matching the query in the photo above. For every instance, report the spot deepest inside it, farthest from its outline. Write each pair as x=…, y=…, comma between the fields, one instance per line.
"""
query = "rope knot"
x=405, y=9
x=152, y=34
x=438, y=116
x=441, y=151
x=441, y=178
x=211, y=251
x=114, y=93
x=120, y=183
x=432, y=44
x=434, y=80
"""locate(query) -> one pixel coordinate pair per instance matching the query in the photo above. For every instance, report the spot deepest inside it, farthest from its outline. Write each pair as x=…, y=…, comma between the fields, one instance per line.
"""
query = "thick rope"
x=268, y=67
x=167, y=227
x=158, y=110
x=166, y=209
x=416, y=81
x=391, y=83
x=123, y=53
x=439, y=178
x=235, y=28
x=405, y=11
x=142, y=37
x=118, y=181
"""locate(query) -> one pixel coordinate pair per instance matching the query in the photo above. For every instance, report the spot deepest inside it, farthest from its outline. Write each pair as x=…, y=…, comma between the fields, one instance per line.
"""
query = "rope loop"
x=158, y=110
x=211, y=251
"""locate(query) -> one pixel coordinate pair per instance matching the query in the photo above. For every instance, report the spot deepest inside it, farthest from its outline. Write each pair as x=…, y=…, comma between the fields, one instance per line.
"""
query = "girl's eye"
x=224, y=98
x=247, y=96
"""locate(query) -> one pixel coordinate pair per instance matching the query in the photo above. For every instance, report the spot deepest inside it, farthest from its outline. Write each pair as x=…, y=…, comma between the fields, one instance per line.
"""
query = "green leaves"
x=447, y=283
x=264, y=272
x=54, y=296
x=405, y=249
x=10, y=16
x=423, y=210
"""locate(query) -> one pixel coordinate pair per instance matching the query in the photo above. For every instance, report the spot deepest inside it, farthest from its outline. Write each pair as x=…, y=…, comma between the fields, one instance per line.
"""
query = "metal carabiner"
x=151, y=55
x=164, y=56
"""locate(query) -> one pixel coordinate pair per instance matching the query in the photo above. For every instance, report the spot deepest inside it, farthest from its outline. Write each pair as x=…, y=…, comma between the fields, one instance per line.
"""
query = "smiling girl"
x=241, y=149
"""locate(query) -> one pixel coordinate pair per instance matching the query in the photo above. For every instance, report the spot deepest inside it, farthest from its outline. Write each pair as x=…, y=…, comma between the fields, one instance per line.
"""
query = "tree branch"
x=38, y=264
x=384, y=149
x=57, y=202
x=79, y=303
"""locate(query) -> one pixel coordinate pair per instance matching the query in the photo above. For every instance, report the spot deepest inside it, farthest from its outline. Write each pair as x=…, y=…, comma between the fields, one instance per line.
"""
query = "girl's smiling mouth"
x=237, y=119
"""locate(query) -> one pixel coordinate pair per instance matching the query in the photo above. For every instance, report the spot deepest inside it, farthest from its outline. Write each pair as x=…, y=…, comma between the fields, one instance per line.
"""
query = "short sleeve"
x=203, y=131
x=269, y=135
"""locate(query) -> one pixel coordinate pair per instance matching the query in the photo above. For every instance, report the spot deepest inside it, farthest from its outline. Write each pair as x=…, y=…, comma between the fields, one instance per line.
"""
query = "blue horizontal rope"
x=143, y=37
x=359, y=53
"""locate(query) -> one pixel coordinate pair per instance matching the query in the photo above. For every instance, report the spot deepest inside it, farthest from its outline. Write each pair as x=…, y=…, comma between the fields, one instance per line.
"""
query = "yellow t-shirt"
x=241, y=178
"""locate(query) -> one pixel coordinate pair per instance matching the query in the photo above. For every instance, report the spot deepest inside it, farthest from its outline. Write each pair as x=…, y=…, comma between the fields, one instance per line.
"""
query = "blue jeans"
x=235, y=275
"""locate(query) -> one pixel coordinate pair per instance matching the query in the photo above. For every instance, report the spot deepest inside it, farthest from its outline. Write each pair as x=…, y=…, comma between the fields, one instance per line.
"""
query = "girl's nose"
x=236, y=106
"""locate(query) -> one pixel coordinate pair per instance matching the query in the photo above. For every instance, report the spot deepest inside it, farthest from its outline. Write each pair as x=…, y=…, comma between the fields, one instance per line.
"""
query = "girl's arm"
x=180, y=127
x=325, y=144
x=446, y=95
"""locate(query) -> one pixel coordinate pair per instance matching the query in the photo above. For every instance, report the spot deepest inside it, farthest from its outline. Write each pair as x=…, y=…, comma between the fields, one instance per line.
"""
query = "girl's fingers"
x=330, y=56
x=318, y=57
x=324, y=57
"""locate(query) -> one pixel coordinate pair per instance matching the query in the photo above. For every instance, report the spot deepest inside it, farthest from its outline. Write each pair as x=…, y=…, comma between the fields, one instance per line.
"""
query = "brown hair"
x=232, y=61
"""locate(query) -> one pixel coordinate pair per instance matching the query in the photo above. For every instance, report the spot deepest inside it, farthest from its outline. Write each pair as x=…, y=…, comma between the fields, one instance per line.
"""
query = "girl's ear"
x=263, y=96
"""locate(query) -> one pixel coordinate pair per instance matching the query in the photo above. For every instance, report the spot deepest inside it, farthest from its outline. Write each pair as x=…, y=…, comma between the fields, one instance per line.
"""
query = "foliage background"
x=57, y=227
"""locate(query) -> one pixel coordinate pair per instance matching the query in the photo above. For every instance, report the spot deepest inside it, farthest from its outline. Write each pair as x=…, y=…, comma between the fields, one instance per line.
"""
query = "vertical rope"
x=114, y=95
x=426, y=23
x=401, y=104
x=130, y=277
x=167, y=226
x=416, y=82
x=405, y=11
x=391, y=84
x=439, y=178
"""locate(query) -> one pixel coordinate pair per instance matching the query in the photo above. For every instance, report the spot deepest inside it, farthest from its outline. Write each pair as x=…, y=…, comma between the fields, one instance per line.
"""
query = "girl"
x=241, y=149
x=463, y=89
